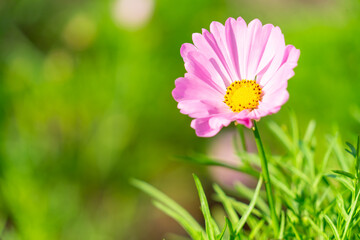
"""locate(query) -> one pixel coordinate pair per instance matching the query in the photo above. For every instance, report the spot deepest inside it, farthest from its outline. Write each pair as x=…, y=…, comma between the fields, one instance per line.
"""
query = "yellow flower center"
x=244, y=94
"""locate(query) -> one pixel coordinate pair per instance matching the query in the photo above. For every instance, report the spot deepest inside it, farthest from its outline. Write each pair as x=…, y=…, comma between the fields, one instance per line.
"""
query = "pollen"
x=244, y=94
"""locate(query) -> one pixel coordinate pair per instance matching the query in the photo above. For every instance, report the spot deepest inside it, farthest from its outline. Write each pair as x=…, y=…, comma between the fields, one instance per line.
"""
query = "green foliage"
x=314, y=201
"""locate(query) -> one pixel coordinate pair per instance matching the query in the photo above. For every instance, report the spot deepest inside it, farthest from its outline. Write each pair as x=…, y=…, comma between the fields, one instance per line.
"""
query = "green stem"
x=265, y=173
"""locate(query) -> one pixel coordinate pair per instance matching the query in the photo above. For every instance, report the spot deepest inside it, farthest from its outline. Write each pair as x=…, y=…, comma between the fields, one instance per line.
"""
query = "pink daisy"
x=234, y=73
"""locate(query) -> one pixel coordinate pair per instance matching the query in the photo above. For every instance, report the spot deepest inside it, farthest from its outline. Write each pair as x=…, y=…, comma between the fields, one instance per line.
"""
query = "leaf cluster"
x=313, y=199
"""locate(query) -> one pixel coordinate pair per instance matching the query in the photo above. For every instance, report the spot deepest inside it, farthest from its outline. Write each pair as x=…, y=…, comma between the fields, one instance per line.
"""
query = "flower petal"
x=210, y=126
x=202, y=108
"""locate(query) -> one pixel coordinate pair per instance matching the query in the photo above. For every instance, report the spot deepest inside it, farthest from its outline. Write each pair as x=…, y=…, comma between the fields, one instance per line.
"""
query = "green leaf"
x=316, y=228
x=282, y=187
x=351, y=214
x=352, y=150
x=221, y=235
x=325, y=160
x=340, y=156
x=281, y=135
x=341, y=206
x=310, y=131
x=243, y=219
x=171, y=204
x=194, y=234
x=282, y=226
x=357, y=165
x=294, y=128
x=244, y=191
x=332, y=226
x=210, y=231
x=344, y=173
x=231, y=229
x=207, y=161
x=226, y=203
x=345, y=182
x=241, y=207
x=254, y=232
x=295, y=231
x=281, y=164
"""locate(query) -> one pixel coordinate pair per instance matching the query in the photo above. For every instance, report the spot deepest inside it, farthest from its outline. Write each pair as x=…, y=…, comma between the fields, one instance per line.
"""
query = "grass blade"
x=344, y=173
x=226, y=203
x=281, y=135
x=332, y=226
x=310, y=131
x=194, y=234
x=353, y=207
x=164, y=199
x=221, y=235
x=254, y=232
x=210, y=231
x=243, y=219
x=316, y=228
x=248, y=194
x=282, y=226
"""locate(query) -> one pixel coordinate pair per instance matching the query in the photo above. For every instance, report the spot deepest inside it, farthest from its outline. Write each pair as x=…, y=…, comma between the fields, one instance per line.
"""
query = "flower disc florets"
x=241, y=95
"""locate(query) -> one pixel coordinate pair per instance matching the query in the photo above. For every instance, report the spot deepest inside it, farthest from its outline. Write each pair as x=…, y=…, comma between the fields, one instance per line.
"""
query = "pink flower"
x=234, y=73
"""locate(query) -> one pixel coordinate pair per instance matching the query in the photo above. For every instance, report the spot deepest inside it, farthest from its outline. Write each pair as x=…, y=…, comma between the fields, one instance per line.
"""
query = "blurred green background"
x=86, y=104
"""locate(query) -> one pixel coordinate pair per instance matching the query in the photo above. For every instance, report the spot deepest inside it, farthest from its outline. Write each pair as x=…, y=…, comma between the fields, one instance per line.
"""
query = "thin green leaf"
x=340, y=156
x=346, y=183
x=309, y=156
x=321, y=199
x=161, y=197
x=310, y=131
x=341, y=206
x=316, y=228
x=210, y=231
x=231, y=229
x=294, y=128
x=332, y=226
x=194, y=233
x=248, y=193
x=282, y=187
x=221, y=235
x=241, y=208
x=325, y=160
x=295, y=231
x=226, y=203
x=281, y=135
x=254, y=232
x=280, y=163
x=353, y=207
x=357, y=165
x=243, y=219
x=282, y=225
x=215, y=226
x=344, y=173
x=352, y=151
x=207, y=161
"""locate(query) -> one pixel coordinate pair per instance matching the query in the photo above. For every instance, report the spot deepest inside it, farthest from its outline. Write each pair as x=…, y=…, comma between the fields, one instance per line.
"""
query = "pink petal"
x=202, y=108
x=197, y=64
x=191, y=87
x=236, y=31
x=210, y=126
x=207, y=45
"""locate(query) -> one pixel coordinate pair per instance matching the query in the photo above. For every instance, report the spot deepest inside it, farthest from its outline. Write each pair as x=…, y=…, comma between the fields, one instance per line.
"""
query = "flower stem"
x=266, y=176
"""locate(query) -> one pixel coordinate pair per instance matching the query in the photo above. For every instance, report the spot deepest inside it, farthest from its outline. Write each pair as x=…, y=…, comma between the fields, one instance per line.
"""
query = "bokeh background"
x=85, y=105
